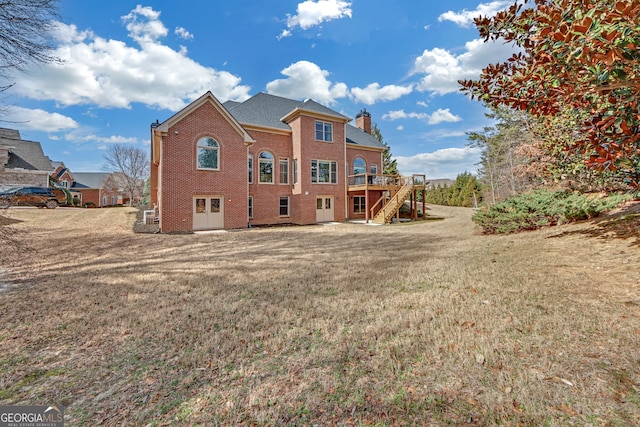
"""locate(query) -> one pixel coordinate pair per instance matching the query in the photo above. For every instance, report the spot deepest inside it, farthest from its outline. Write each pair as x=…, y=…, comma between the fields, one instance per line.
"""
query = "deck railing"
x=375, y=180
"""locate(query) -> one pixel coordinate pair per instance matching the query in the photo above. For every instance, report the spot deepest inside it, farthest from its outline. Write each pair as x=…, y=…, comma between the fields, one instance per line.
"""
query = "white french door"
x=208, y=212
x=324, y=209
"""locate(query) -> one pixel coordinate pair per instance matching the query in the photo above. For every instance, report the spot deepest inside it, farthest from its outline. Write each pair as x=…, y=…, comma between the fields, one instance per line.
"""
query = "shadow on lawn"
x=622, y=223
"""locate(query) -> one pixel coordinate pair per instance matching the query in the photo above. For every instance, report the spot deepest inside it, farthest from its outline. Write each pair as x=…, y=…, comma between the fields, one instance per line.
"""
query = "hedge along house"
x=268, y=160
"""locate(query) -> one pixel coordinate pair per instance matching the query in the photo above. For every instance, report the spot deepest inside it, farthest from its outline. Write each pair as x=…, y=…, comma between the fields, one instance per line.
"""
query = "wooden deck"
x=367, y=181
x=395, y=190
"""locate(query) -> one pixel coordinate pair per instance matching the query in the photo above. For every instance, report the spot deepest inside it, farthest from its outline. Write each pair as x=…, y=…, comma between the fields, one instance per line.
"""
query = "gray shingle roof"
x=90, y=179
x=268, y=110
x=357, y=136
x=24, y=154
x=9, y=134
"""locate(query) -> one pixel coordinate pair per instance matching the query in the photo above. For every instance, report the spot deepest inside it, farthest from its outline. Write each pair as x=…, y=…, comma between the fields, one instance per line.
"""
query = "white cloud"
x=439, y=116
x=306, y=80
x=442, y=69
x=283, y=34
x=442, y=115
x=111, y=139
x=38, y=120
x=465, y=17
x=183, y=33
x=112, y=74
x=445, y=163
x=374, y=93
x=311, y=13
x=144, y=25
x=400, y=114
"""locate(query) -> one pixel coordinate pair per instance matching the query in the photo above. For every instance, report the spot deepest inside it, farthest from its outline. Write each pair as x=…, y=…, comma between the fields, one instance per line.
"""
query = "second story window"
x=250, y=168
x=284, y=171
x=323, y=171
x=359, y=166
x=324, y=131
x=295, y=171
x=265, y=166
x=208, y=151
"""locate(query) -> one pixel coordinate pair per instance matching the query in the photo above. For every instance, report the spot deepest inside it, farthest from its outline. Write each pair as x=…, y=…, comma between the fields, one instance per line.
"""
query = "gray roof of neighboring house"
x=90, y=179
x=444, y=182
x=268, y=110
x=9, y=134
x=24, y=154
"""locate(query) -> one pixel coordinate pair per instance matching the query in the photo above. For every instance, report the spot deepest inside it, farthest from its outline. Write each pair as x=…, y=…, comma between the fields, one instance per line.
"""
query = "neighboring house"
x=62, y=176
x=269, y=160
x=100, y=189
x=22, y=163
x=435, y=183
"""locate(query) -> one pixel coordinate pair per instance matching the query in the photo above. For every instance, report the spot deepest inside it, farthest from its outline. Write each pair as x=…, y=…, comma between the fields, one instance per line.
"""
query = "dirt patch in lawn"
x=430, y=323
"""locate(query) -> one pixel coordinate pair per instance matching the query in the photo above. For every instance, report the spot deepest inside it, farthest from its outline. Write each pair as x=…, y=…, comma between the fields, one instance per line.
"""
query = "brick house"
x=22, y=162
x=269, y=160
x=100, y=189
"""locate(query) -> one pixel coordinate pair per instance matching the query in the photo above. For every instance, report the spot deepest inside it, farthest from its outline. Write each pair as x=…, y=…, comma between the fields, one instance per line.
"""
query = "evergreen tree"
x=389, y=164
x=466, y=191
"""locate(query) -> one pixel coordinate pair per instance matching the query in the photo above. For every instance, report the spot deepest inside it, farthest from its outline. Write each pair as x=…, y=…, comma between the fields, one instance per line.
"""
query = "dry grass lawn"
x=421, y=324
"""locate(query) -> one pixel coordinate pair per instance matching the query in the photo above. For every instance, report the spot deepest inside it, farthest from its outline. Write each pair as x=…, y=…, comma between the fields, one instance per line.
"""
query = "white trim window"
x=250, y=168
x=265, y=167
x=324, y=172
x=284, y=171
x=373, y=168
x=359, y=204
x=250, y=206
x=359, y=166
x=295, y=171
x=208, y=154
x=324, y=131
x=284, y=206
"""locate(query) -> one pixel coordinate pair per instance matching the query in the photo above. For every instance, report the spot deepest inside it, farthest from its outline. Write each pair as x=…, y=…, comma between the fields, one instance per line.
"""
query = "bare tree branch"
x=132, y=164
x=25, y=27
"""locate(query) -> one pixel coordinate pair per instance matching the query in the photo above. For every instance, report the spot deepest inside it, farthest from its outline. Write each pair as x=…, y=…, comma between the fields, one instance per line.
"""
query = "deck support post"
x=366, y=206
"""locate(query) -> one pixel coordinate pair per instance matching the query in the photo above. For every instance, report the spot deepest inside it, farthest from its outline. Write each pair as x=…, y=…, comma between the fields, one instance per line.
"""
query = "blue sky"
x=128, y=63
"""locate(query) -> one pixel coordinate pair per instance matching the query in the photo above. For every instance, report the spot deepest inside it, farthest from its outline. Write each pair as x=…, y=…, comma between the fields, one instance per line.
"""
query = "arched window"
x=359, y=166
x=208, y=153
x=265, y=166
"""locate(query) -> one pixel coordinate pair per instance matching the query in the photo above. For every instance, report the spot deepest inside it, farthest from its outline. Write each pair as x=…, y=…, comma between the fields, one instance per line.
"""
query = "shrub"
x=541, y=208
x=89, y=205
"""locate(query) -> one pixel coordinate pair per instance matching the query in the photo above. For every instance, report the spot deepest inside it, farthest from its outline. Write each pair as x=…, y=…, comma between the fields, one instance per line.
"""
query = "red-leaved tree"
x=575, y=55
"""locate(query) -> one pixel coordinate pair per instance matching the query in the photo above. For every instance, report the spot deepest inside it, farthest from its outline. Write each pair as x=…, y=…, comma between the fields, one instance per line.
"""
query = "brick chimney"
x=363, y=121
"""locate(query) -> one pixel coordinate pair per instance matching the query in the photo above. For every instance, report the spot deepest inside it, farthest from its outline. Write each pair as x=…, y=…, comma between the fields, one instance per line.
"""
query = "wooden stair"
x=394, y=203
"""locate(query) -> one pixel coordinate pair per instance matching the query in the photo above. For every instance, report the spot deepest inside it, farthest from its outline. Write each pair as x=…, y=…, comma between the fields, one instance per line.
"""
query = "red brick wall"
x=181, y=180
x=266, y=197
x=66, y=176
x=373, y=197
x=309, y=149
x=153, y=177
x=368, y=156
x=91, y=196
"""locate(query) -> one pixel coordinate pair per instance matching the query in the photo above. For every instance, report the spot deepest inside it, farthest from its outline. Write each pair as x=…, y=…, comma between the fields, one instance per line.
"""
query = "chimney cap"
x=363, y=113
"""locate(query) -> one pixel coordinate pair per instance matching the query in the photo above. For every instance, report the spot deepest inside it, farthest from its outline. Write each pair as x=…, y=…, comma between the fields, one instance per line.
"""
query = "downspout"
x=345, y=175
x=246, y=177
